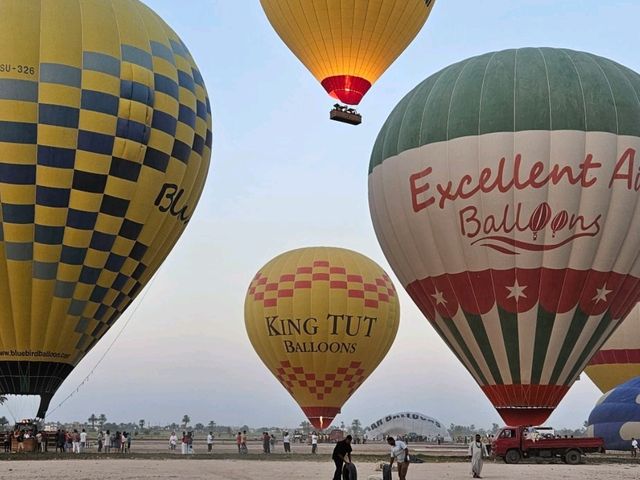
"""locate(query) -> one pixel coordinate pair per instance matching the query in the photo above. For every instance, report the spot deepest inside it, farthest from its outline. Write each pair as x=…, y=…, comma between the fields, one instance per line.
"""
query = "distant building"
x=409, y=424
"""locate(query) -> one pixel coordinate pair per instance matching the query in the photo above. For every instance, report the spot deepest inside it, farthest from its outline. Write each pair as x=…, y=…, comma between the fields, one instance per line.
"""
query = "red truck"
x=515, y=443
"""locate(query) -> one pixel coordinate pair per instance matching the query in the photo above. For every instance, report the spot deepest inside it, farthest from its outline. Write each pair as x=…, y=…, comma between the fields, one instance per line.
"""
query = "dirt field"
x=151, y=459
x=290, y=470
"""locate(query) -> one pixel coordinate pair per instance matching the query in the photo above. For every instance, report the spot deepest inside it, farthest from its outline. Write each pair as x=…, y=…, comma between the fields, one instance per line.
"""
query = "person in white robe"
x=477, y=451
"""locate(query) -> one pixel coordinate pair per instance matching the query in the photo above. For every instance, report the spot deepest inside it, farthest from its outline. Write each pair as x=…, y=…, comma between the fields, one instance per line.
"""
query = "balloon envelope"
x=105, y=138
x=619, y=358
x=347, y=44
x=616, y=416
x=504, y=193
x=321, y=319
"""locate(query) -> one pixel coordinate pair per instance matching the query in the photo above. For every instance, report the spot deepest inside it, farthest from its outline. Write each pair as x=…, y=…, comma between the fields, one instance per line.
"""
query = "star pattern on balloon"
x=439, y=298
x=601, y=294
x=516, y=291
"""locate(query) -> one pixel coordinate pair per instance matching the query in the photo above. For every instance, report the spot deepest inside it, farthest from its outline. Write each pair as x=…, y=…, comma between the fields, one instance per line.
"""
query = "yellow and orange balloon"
x=321, y=319
x=347, y=44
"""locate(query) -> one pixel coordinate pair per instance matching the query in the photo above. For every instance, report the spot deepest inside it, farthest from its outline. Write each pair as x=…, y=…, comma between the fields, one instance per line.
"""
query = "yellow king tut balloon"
x=321, y=319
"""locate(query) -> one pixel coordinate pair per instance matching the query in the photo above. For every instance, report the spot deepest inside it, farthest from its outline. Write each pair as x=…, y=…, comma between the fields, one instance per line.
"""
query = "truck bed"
x=584, y=444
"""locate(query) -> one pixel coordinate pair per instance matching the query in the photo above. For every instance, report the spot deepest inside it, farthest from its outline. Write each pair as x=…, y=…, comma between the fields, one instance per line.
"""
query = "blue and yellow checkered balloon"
x=105, y=141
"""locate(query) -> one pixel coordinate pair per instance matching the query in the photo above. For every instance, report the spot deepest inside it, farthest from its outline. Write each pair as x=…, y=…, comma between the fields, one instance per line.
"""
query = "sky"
x=283, y=176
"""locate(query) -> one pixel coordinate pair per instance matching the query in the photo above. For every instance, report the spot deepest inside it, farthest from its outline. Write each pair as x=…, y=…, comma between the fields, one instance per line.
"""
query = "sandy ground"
x=290, y=470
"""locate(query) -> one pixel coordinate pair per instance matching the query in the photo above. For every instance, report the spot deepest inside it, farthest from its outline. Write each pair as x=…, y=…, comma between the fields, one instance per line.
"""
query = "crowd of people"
x=78, y=442
x=65, y=441
x=269, y=442
x=186, y=442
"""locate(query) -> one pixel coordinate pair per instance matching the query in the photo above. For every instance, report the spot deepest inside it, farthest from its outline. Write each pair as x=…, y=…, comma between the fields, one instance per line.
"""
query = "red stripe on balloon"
x=525, y=404
x=346, y=88
x=617, y=356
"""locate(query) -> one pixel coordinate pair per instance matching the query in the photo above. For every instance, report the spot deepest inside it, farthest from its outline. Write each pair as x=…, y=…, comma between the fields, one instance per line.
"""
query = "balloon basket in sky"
x=347, y=61
x=105, y=142
x=502, y=190
x=321, y=319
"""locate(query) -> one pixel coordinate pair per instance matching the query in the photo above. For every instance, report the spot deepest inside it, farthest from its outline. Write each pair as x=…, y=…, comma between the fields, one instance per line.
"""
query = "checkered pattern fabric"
x=346, y=378
x=380, y=290
x=104, y=151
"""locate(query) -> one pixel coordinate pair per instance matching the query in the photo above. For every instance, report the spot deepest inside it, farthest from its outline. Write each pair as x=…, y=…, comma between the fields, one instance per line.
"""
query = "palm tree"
x=212, y=425
x=3, y=422
x=102, y=419
x=92, y=420
x=141, y=423
x=356, y=427
x=186, y=420
x=305, y=426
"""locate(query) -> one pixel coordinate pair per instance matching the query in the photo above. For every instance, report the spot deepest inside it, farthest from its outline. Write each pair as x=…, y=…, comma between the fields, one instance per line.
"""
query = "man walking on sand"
x=634, y=447
x=314, y=442
x=341, y=455
x=400, y=454
x=477, y=452
x=210, y=442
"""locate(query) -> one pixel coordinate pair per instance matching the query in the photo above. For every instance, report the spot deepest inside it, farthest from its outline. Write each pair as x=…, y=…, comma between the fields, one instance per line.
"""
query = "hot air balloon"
x=504, y=193
x=616, y=416
x=105, y=140
x=347, y=44
x=321, y=319
x=619, y=358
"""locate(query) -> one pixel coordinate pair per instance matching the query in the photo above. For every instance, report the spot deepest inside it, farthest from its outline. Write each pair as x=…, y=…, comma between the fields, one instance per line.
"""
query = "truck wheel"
x=573, y=457
x=512, y=456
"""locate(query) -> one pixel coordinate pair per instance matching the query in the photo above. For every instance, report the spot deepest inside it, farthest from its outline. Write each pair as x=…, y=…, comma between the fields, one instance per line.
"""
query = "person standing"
x=341, y=455
x=20, y=438
x=173, y=441
x=100, y=439
x=239, y=442
x=634, y=447
x=107, y=441
x=314, y=443
x=266, y=443
x=39, y=441
x=185, y=443
x=399, y=454
x=477, y=452
x=210, y=442
x=243, y=442
x=190, y=443
x=286, y=441
x=75, y=442
x=83, y=440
